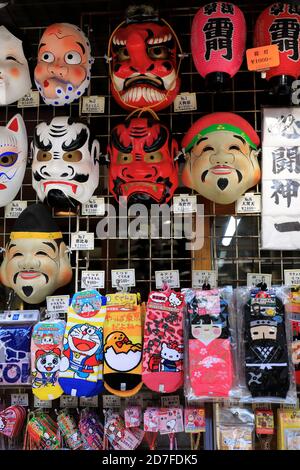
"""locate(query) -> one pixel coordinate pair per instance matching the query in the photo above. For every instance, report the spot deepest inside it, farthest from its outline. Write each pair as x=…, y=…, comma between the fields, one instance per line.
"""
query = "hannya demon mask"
x=144, y=70
x=14, y=72
x=35, y=263
x=142, y=166
x=221, y=157
x=13, y=157
x=64, y=63
x=65, y=166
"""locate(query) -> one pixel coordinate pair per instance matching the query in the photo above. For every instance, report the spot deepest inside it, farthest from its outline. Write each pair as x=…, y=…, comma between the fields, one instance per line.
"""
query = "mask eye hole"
x=153, y=157
x=74, y=156
x=158, y=52
x=73, y=58
x=8, y=158
x=124, y=158
x=48, y=57
x=123, y=54
x=43, y=156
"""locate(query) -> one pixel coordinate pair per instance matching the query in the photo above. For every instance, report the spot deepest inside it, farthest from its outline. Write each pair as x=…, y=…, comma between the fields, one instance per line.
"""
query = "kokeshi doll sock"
x=210, y=357
x=82, y=359
x=46, y=347
x=123, y=346
x=163, y=341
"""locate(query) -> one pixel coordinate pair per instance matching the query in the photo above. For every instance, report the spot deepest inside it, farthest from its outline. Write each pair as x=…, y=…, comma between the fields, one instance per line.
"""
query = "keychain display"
x=69, y=430
x=64, y=61
x=120, y=437
x=91, y=430
x=163, y=341
x=12, y=421
x=234, y=428
x=13, y=158
x=264, y=427
x=210, y=360
x=36, y=262
x=14, y=71
x=194, y=424
x=65, y=163
x=264, y=350
x=81, y=366
x=144, y=67
x=41, y=433
x=288, y=433
x=142, y=161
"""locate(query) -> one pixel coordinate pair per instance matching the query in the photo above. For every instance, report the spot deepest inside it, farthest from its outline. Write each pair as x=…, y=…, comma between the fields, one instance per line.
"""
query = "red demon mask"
x=142, y=166
x=144, y=64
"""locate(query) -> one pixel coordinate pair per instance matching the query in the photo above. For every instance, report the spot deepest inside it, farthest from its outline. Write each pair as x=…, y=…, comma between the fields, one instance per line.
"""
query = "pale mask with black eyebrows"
x=65, y=166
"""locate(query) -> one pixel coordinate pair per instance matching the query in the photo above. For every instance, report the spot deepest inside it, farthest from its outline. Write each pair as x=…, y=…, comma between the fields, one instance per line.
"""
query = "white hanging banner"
x=281, y=179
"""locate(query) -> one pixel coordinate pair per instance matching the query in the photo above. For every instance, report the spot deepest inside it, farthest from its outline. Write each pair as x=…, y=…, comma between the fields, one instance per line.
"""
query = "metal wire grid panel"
x=245, y=97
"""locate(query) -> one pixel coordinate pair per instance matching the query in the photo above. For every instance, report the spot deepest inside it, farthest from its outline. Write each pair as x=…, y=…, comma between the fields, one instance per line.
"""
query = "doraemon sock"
x=46, y=348
x=82, y=359
x=123, y=345
x=210, y=357
x=163, y=342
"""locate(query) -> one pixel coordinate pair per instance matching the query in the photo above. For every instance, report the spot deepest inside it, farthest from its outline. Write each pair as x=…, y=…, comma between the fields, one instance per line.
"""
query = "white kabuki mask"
x=65, y=166
x=13, y=158
x=14, y=72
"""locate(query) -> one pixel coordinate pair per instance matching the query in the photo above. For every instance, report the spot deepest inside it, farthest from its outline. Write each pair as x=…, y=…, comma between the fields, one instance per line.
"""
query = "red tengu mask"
x=144, y=64
x=142, y=166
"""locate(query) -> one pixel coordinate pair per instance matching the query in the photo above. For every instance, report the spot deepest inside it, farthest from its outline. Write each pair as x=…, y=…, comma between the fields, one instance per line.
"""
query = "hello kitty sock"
x=163, y=342
x=82, y=359
x=210, y=357
x=46, y=348
x=123, y=345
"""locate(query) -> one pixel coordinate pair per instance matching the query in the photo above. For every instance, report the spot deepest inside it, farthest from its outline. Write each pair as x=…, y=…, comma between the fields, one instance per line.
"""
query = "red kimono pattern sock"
x=163, y=342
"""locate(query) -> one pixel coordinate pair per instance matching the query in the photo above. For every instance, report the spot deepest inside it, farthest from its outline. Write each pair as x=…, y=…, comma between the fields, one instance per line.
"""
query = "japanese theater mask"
x=221, y=157
x=14, y=72
x=35, y=263
x=65, y=165
x=13, y=158
x=144, y=69
x=64, y=64
x=142, y=166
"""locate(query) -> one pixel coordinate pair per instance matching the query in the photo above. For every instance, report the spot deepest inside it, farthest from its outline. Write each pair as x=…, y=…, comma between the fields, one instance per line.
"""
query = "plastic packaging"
x=234, y=428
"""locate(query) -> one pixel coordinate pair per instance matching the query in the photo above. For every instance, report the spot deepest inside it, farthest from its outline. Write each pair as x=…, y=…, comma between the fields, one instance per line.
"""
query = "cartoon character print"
x=82, y=350
x=47, y=367
x=3, y=423
x=120, y=353
x=171, y=354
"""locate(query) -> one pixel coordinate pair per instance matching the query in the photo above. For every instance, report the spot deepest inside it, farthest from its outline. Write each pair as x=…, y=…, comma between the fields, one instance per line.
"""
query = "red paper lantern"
x=280, y=24
x=218, y=40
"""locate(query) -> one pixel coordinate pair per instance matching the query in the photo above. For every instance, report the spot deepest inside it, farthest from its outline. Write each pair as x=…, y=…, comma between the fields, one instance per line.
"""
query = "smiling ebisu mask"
x=63, y=69
x=221, y=157
x=13, y=158
x=36, y=262
x=15, y=79
x=65, y=165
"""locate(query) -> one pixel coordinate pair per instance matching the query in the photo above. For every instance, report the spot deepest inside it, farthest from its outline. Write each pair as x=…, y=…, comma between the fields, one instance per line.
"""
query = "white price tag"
x=123, y=277
x=82, y=241
x=93, y=104
x=19, y=399
x=292, y=277
x=42, y=403
x=170, y=277
x=248, y=203
x=185, y=102
x=92, y=279
x=30, y=100
x=14, y=209
x=184, y=204
x=171, y=401
x=111, y=401
x=95, y=206
x=259, y=280
x=66, y=401
x=91, y=402
x=202, y=279
x=58, y=303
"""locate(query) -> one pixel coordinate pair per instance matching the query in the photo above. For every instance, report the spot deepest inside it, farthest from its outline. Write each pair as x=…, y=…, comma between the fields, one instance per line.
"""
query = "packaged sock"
x=15, y=354
x=46, y=348
x=210, y=357
x=123, y=345
x=81, y=364
x=163, y=342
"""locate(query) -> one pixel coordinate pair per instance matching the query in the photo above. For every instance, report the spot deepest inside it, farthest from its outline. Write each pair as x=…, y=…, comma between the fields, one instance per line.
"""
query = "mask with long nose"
x=221, y=157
